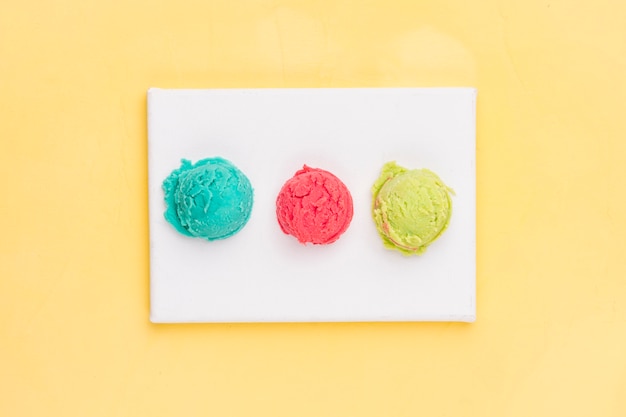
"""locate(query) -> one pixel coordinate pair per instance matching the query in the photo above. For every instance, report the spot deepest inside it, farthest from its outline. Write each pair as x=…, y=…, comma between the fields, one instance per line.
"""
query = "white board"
x=262, y=275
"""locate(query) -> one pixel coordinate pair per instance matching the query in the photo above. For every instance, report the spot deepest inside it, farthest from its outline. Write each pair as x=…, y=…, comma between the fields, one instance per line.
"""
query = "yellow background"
x=550, y=339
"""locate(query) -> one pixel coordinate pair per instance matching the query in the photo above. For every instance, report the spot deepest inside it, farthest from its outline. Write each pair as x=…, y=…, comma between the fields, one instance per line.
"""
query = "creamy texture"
x=411, y=208
x=314, y=206
x=210, y=199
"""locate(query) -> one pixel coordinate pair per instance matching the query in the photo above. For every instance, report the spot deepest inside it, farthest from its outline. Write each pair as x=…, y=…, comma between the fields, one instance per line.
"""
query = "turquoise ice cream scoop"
x=211, y=199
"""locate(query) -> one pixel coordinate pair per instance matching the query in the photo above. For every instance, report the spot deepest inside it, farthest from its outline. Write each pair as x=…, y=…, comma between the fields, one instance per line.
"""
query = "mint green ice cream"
x=211, y=199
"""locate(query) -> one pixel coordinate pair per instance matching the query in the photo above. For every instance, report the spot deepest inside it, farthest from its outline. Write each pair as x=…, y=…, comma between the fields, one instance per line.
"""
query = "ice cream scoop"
x=411, y=208
x=211, y=199
x=314, y=206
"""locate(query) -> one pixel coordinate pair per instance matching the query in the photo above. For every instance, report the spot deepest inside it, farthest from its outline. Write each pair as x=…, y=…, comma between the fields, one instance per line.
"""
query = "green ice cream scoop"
x=211, y=199
x=411, y=208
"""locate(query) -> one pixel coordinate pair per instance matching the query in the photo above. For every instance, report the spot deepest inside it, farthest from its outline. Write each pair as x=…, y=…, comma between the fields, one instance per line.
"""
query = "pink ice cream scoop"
x=314, y=206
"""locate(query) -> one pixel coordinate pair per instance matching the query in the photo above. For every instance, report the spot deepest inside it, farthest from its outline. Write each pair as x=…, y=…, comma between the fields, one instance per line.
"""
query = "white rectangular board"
x=263, y=275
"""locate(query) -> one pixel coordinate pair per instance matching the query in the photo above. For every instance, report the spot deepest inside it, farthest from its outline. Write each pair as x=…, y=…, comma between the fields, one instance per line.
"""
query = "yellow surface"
x=550, y=339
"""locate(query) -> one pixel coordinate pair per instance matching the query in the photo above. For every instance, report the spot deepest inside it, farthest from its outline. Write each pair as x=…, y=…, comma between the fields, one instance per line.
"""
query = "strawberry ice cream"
x=314, y=206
